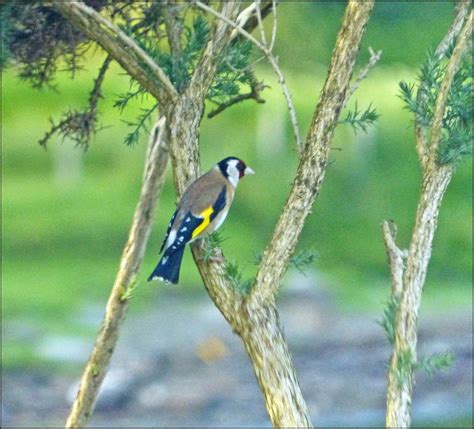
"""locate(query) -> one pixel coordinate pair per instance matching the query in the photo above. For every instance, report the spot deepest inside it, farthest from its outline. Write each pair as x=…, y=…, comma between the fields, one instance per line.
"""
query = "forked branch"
x=408, y=275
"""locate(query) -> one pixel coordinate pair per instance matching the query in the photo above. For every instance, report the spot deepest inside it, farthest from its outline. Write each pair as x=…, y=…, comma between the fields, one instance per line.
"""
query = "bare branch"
x=273, y=62
x=263, y=38
x=120, y=46
x=96, y=90
x=312, y=167
x=275, y=26
x=451, y=69
x=399, y=392
x=99, y=360
x=374, y=59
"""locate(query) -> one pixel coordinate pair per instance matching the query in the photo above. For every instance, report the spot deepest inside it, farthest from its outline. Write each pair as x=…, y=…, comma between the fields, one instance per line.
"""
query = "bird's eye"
x=241, y=166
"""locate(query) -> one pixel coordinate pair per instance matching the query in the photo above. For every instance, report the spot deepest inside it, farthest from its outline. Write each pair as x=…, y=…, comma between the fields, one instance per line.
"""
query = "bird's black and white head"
x=234, y=169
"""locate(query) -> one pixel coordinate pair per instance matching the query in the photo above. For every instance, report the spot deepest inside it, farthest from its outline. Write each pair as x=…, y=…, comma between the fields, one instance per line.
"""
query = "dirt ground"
x=180, y=365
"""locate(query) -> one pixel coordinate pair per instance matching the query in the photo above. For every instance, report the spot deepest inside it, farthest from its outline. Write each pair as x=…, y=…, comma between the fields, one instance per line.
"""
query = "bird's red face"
x=243, y=169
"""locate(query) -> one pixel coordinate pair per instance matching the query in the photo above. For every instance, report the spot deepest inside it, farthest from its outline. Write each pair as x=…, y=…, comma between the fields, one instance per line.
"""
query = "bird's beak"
x=248, y=171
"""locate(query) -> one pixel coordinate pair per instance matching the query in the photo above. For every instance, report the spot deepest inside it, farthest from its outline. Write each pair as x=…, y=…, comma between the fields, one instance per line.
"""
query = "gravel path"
x=171, y=370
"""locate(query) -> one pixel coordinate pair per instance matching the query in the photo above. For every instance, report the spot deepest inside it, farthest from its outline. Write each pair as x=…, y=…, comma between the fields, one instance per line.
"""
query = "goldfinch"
x=202, y=209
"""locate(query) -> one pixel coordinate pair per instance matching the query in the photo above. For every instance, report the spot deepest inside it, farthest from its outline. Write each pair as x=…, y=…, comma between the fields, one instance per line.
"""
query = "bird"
x=202, y=209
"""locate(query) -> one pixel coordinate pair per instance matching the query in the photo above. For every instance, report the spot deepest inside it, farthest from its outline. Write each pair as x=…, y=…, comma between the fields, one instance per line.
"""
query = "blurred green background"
x=66, y=213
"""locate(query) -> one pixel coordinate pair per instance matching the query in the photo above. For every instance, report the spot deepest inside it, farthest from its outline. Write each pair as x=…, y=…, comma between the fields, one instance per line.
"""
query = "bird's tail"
x=168, y=267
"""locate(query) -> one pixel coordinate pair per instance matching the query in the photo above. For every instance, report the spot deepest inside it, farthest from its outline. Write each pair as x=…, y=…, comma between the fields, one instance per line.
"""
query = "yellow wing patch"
x=206, y=220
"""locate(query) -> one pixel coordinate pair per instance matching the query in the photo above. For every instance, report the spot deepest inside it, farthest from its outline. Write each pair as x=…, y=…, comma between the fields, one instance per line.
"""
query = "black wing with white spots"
x=184, y=233
x=192, y=226
x=168, y=230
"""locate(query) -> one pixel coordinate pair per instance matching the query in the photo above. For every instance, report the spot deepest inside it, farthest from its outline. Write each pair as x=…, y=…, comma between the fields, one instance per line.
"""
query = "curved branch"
x=462, y=9
x=451, y=69
x=99, y=360
x=120, y=46
x=312, y=167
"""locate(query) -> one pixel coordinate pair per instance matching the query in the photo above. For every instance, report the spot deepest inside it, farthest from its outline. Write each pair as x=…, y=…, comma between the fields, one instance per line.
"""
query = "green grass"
x=62, y=241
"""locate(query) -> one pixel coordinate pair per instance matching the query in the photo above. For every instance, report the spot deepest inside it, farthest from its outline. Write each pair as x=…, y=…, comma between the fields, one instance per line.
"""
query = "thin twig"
x=247, y=19
x=99, y=360
x=273, y=62
x=263, y=38
x=363, y=73
x=242, y=19
x=275, y=25
x=451, y=69
x=254, y=93
x=96, y=90
x=85, y=120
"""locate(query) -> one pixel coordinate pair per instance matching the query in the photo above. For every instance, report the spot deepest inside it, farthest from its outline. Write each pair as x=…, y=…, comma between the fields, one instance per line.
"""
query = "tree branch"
x=99, y=360
x=374, y=59
x=403, y=359
x=80, y=125
x=120, y=46
x=255, y=317
x=184, y=150
x=256, y=320
x=312, y=167
x=462, y=9
x=247, y=19
x=435, y=181
x=174, y=23
x=451, y=69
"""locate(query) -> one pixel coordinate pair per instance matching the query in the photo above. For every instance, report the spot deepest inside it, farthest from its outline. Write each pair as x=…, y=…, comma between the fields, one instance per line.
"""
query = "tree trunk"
x=266, y=346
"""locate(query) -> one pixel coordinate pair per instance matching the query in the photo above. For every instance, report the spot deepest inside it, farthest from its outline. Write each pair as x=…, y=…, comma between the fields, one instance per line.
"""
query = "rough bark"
x=115, y=311
x=409, y=269
x=399, y=392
